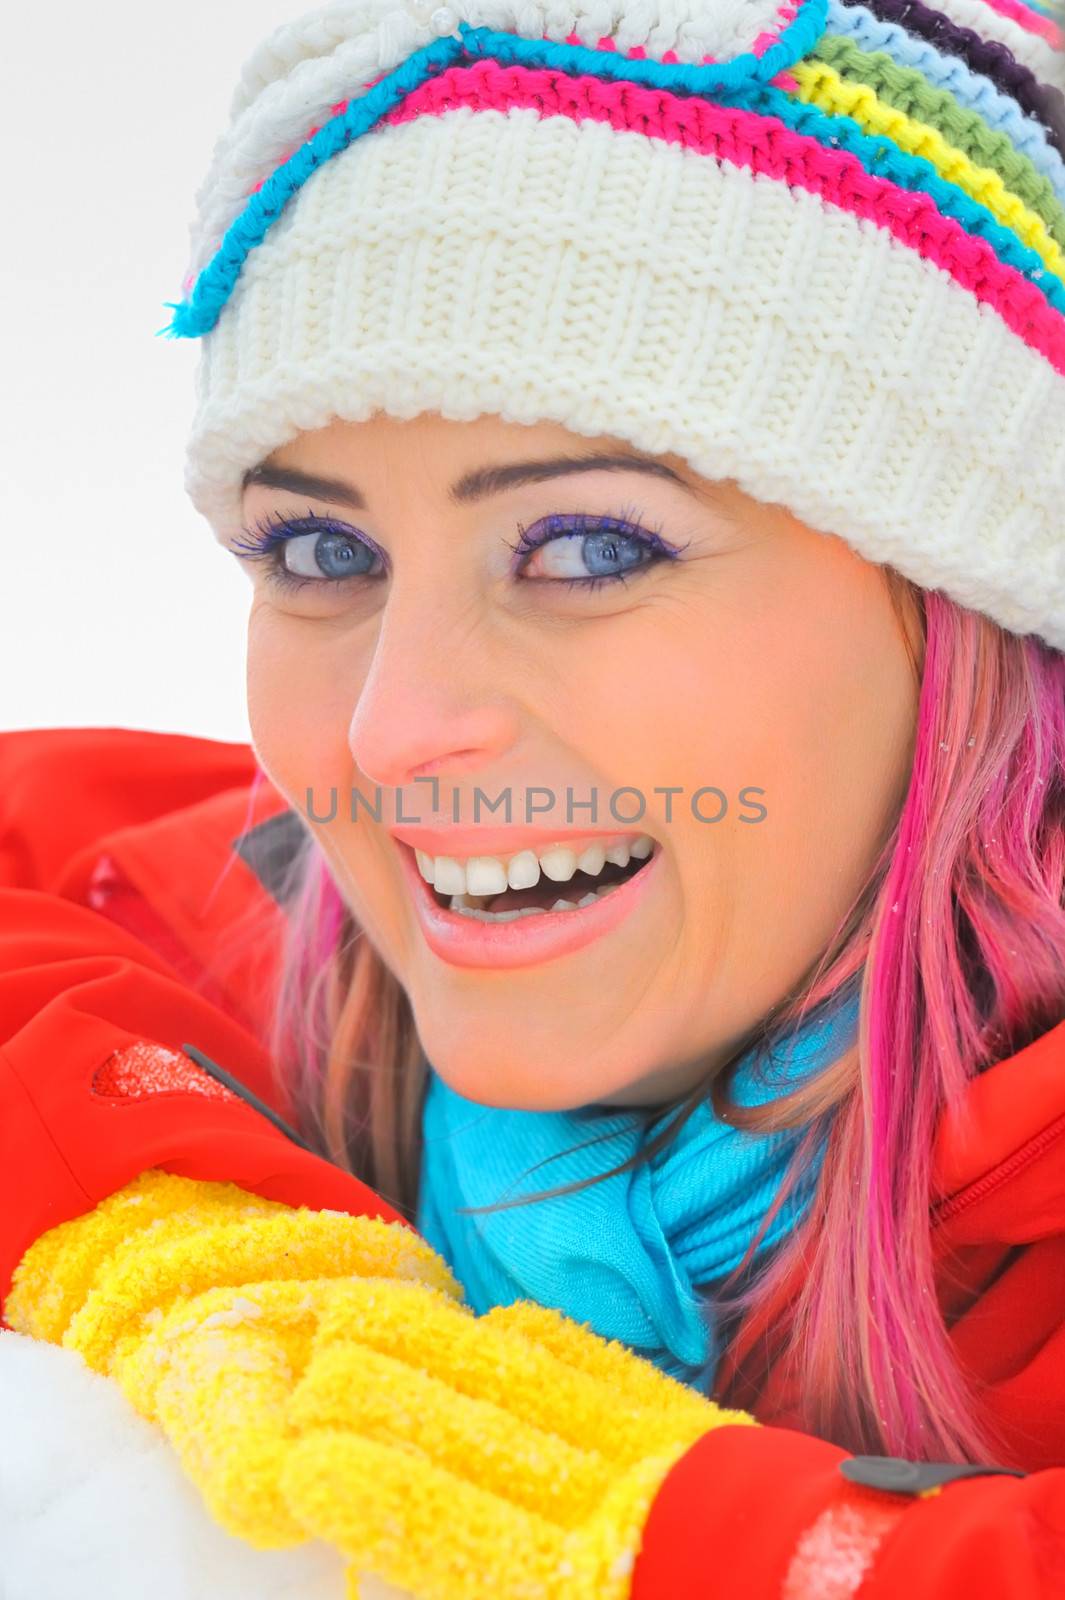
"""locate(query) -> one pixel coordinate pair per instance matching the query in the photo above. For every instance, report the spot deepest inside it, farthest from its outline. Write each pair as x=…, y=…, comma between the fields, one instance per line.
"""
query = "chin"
x=526, y=1089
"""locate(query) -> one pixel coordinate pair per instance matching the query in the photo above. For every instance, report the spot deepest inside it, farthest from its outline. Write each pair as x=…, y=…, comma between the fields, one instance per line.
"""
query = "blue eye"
x=611, y=549
x=307, y=550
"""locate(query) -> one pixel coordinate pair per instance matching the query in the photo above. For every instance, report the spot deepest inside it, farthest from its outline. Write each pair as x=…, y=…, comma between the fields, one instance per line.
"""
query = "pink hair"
x=965, y=965
x=958, y=941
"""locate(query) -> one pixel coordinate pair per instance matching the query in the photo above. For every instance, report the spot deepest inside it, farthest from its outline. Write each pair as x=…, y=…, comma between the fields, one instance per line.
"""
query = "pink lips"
x=465, y=942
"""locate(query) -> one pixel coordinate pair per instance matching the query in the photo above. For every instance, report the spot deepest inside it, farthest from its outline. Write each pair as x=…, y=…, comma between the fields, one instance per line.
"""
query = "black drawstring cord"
x=238, y=1088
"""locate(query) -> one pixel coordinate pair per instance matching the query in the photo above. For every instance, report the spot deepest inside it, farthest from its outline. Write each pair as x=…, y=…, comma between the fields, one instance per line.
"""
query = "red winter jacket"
x=126, y=858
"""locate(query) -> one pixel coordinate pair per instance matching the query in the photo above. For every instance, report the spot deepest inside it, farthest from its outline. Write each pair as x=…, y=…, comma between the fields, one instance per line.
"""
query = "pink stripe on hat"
x=765, y=146
x=1034, y=21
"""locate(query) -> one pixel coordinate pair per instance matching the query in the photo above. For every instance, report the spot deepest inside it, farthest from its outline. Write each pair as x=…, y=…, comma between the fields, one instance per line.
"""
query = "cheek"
x=821, y=712
x=683, y=711
x=799, y=687
x=299, y=706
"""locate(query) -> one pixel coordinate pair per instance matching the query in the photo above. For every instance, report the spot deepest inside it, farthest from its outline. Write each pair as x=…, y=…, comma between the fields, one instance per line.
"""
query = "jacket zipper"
x=952, y=1207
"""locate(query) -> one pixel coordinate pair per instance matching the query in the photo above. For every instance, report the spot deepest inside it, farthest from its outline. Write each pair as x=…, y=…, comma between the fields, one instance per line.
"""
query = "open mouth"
x=546, y=895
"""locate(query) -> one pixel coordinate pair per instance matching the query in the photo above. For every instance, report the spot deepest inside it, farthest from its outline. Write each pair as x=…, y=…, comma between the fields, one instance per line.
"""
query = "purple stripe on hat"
x=988, y=56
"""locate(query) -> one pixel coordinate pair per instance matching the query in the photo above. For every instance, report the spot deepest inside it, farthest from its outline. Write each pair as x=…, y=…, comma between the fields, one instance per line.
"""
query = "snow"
x=93, y=1502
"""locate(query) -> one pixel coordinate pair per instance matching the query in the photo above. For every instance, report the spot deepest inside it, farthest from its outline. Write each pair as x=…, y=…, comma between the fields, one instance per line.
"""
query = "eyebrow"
x=476, y=485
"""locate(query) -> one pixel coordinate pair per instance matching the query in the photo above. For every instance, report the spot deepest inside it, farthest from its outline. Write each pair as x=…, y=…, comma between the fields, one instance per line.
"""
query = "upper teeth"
x=492, y=874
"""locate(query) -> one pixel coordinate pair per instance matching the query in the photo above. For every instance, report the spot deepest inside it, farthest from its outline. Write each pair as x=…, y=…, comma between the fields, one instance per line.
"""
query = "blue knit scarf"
x=624, y=1254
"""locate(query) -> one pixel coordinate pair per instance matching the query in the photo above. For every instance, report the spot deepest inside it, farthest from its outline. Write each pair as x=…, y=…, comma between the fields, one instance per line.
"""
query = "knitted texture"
x=320, y=1377
x=817, y=247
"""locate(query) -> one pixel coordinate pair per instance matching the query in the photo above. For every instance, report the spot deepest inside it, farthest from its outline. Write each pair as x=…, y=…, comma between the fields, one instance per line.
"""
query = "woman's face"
x=733, y=687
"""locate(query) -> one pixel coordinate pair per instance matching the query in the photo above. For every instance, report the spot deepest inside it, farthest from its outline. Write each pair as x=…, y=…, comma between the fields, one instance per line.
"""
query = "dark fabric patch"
x=270, y=850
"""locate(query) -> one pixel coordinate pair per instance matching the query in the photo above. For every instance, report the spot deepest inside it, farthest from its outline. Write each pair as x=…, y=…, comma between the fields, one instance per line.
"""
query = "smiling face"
x=670, y=643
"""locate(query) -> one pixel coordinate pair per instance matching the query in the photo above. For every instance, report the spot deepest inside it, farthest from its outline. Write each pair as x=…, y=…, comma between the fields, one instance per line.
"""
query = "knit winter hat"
x=817, y=247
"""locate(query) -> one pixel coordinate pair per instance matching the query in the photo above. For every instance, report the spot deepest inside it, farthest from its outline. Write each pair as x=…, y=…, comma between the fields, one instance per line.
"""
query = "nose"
x=433, y=702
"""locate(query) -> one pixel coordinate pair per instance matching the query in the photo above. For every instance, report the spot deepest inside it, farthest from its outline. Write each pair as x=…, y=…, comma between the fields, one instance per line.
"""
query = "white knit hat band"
x=546, y=269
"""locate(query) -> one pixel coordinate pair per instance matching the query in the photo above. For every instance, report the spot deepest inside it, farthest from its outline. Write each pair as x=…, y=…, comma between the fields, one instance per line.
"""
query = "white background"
x=117, y=607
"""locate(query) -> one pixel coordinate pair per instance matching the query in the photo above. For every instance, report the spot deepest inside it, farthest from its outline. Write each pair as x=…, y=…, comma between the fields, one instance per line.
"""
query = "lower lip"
x=526, y=941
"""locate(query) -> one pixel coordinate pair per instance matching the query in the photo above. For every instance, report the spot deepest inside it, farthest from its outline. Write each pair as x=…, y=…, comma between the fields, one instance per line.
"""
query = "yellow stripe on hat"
x=822, y=86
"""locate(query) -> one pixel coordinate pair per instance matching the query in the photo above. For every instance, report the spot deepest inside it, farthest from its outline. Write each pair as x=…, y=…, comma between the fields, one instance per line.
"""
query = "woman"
x=643, y=435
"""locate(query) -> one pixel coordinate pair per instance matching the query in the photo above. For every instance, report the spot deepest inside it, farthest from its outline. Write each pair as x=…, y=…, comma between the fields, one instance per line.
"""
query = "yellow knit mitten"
x=202, y=1300
x=320, y=1377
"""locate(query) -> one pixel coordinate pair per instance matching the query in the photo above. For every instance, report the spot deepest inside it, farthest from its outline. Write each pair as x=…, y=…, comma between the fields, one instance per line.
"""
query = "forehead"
x=472, y=459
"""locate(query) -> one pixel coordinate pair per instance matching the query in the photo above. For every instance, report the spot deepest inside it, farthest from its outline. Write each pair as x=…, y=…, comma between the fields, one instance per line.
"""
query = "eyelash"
x=265, y=539
x=585, y=523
